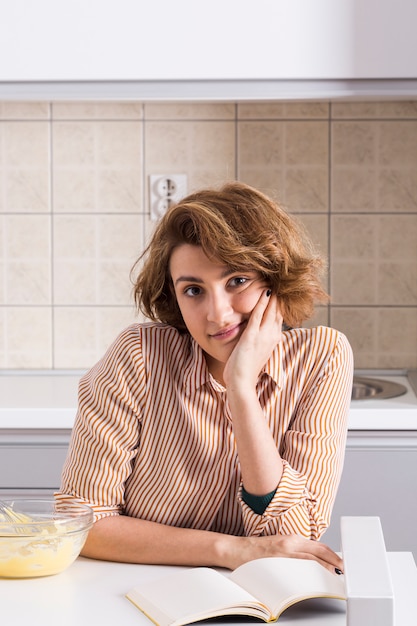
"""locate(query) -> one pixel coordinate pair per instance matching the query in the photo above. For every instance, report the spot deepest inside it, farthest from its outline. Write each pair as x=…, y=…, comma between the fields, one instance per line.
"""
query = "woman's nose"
x=219, y=308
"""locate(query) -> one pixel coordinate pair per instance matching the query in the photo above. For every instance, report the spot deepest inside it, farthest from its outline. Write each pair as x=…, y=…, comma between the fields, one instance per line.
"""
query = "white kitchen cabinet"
x=379, y=479
x=31, y=461
x=178, y=49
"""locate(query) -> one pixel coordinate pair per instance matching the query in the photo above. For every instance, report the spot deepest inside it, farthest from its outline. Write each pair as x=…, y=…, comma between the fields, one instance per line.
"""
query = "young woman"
x=215, y=433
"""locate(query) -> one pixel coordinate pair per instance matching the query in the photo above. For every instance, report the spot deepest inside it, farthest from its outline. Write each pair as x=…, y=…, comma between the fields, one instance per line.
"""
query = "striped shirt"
x=153, y=437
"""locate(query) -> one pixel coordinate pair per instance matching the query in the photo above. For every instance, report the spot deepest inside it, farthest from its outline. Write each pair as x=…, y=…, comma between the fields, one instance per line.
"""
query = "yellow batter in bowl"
x=47, y=542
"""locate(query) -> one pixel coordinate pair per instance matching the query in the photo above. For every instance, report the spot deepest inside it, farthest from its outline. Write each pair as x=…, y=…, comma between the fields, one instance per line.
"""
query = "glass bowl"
x=41, y=537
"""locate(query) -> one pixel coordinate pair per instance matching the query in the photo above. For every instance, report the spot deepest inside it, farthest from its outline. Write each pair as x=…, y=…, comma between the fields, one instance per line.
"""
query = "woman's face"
x=214, y=301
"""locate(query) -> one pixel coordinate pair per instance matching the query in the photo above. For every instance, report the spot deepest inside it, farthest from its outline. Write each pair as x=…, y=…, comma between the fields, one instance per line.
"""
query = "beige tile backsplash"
x=25, y=166
x=74, y=212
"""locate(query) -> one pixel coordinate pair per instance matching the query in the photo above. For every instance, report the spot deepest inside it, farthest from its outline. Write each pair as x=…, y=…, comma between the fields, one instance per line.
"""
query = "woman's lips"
x=228, y=333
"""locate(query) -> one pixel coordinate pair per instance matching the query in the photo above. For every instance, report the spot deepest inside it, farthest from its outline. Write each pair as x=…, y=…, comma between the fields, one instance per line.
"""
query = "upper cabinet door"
x=163, y=40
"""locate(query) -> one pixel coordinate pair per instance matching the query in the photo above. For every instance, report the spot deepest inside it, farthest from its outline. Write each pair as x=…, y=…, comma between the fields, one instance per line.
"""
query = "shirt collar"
x=196, y=374
x=274, y=366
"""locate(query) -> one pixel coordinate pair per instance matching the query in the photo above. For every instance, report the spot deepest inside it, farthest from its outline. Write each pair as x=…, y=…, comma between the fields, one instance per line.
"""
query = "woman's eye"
x=192, y=291
x=238, y=281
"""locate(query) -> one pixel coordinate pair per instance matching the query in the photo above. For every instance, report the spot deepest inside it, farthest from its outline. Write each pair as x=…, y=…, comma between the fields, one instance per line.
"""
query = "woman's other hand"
x=262, y=334
x=289, y=546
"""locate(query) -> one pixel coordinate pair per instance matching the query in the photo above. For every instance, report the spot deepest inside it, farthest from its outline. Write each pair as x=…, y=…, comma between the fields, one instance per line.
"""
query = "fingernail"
x=338, y=571
x=268, y=292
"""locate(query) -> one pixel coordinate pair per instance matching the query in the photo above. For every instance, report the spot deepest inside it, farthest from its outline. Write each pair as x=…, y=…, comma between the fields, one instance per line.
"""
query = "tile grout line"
x=52, y=238
x=329, y=213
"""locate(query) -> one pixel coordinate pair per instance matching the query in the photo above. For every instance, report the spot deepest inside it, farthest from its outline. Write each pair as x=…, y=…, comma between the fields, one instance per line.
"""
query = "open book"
x=263, y=588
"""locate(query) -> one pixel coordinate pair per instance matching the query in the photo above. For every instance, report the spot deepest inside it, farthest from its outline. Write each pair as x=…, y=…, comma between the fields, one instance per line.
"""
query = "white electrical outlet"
x=165, y=190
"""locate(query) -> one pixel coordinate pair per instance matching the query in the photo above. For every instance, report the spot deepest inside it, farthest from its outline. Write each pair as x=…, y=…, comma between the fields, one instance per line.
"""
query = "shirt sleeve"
x=257, y=503
x=313, y=454
x=106, y=432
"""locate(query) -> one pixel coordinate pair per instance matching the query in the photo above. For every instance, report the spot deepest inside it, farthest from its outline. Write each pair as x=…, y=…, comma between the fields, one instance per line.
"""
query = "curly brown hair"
x=242, y=228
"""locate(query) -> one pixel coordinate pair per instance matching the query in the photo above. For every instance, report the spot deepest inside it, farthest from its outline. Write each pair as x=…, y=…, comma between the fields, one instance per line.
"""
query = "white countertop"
x=48, y=400
x=398, y=413
x=92, y=592
x=44, y=400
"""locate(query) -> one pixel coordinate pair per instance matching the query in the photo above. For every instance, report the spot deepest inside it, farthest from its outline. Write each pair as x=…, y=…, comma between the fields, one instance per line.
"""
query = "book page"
x=191, y=595
x=279, y=582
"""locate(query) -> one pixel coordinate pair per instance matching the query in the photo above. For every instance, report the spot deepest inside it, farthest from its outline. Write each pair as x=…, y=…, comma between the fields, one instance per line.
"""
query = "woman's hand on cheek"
x=262, y=334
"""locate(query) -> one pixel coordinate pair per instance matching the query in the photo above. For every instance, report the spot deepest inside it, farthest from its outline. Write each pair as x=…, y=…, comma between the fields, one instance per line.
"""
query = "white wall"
x=66, y=40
